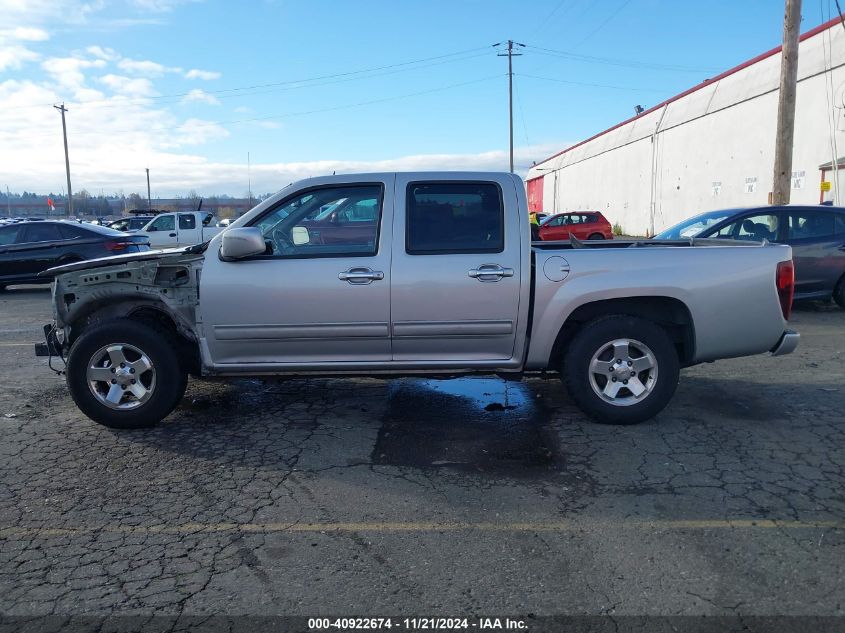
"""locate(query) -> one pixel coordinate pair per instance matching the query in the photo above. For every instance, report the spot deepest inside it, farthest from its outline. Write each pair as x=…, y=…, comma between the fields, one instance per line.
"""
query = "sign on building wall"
x=717, y=188
x=751, y=185
x=826, y=185
x=798, y=178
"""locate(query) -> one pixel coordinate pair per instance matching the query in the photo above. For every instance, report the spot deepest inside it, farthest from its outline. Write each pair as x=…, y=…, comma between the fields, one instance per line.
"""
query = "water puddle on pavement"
x=473, y=424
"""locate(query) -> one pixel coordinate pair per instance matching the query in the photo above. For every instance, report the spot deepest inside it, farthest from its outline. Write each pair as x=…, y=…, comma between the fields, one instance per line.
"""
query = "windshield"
x=693, y=226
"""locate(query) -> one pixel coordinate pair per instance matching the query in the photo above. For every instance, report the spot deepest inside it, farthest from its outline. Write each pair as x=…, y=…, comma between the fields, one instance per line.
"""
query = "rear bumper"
x=787, y=343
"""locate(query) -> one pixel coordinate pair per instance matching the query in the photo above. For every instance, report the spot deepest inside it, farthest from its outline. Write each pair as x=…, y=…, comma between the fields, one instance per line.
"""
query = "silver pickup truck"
x=408, y=274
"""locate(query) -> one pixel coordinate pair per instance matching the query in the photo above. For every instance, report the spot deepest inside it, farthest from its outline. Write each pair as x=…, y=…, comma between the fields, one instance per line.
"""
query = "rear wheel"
x=839, y=293
x=125, y=374
x=596, y=236
x=621, y=369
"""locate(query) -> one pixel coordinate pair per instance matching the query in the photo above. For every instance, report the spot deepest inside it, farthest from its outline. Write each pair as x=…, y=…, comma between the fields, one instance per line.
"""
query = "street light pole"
x=149, y=199
x=69, y=206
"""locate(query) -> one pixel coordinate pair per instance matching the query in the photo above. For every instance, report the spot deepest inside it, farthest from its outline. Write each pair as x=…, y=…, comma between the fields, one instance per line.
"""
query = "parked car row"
x=816, y=234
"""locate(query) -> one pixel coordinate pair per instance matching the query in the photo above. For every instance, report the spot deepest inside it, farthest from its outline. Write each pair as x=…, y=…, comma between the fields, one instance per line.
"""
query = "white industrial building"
x=710, y=147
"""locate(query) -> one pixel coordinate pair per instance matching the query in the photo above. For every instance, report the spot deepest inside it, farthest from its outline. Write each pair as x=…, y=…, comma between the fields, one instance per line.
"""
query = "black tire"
x=596, y=236
x=599, y=334
x=167, y=379
x=839, y=293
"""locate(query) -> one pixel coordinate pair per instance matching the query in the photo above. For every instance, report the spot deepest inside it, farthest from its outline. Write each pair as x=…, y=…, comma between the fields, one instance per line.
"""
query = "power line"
x=839, y=10
x=592, y=85
x=448, y=57
x=590, y=59
x=619, y=10
x=545, y=22
x=292, y=114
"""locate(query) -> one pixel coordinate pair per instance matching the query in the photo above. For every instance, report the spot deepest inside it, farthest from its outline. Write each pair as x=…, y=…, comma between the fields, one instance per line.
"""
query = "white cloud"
x=196, y=132
x=28, y=34
x=200, y=96
x=13, y=57
x=206, y=75
x=146, y=67
x=129, y=87
x=32, y=13
x=67, y=71
x=158, y=6
x=107, y=54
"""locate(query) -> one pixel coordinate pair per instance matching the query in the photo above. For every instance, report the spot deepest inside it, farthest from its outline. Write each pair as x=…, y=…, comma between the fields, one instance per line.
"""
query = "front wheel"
x=125, y=374
x=621, y=369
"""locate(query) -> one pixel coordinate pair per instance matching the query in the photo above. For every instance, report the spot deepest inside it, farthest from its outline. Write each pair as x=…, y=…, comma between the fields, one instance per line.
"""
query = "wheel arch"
x=668, y=312
x=146, y=310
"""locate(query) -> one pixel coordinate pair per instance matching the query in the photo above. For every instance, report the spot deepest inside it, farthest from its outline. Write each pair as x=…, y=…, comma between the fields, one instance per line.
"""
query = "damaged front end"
x=161, y=286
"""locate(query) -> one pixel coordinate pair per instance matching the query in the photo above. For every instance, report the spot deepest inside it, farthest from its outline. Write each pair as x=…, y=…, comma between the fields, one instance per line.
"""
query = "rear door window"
x=454, y=217
x=70, y=232
x=187, y=221
x=41, y=233
x=811, y=224
x=10, y=235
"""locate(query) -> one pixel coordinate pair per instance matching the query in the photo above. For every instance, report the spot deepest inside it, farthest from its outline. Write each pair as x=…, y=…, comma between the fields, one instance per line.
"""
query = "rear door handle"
x=490, y=272
x=360, y=276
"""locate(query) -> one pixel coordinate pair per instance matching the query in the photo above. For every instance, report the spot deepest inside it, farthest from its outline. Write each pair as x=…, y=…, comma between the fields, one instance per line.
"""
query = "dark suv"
x=815, y=233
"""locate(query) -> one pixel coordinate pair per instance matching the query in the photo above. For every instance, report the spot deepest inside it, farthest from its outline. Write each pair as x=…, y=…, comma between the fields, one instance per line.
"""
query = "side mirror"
x=152, y=228
x=242, y=242
x=299, y=235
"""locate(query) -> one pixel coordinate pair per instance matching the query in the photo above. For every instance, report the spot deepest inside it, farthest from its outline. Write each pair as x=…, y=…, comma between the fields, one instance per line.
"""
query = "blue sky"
x=171, y=84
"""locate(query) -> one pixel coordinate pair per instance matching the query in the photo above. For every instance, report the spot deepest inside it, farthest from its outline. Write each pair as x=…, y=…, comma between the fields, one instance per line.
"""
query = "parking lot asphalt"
x=410, y=496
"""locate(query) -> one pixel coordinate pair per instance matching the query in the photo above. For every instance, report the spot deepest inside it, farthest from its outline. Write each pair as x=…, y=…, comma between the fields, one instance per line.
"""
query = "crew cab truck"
x=180, y=229
x=442, y=280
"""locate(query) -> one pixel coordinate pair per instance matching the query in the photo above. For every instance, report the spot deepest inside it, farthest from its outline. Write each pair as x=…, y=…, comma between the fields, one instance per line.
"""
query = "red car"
x=584, y=225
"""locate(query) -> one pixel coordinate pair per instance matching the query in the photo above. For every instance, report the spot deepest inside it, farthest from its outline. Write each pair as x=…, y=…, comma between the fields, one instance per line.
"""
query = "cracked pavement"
x=473, y=496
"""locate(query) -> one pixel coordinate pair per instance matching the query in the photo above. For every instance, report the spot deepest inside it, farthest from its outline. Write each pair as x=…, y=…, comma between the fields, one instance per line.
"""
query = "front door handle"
x=490, y=272
x=360, y=276
x=173, y=235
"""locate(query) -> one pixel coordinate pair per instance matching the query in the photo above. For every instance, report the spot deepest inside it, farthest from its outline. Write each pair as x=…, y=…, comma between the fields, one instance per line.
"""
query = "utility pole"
x=69, y=206
x=510, y=55
x=149, y=199
x=782, y=181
